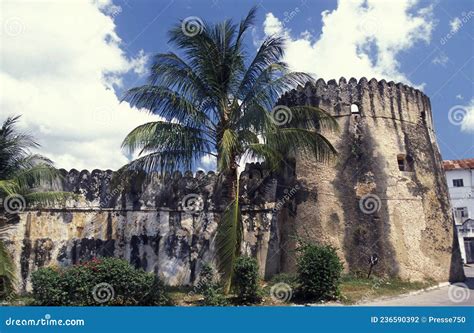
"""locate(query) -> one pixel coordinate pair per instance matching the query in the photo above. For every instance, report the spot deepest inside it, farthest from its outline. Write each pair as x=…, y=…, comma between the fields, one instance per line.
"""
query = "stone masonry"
x=384, y=197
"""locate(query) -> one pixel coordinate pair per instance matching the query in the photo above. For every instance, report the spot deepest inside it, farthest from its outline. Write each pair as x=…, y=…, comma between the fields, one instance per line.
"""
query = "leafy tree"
x=21, y=173
x=217, y=101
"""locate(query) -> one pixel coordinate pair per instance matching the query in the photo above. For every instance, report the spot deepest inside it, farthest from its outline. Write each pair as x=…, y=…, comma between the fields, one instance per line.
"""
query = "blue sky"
x=64, y=64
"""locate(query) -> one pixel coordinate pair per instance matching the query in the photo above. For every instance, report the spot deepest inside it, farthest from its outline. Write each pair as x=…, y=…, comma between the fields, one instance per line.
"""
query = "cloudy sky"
x=65, y=64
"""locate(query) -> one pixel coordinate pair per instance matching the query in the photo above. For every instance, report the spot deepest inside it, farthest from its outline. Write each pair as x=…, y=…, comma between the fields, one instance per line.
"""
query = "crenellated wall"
x=165, y=225
x=362, y=203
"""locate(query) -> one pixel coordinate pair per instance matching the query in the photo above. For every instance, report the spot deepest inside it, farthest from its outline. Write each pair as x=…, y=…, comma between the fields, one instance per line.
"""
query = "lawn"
x=356, y=289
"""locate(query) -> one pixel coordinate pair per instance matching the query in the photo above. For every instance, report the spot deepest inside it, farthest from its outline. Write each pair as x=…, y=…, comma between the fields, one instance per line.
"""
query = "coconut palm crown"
x=215, y=100
x=22, y=174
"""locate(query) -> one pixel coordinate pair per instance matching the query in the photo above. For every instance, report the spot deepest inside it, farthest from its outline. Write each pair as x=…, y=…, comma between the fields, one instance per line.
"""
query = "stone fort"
x=384, y=197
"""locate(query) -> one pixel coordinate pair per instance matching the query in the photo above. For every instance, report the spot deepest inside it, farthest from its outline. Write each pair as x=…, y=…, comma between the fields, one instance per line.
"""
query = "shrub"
x=319, y=272
x=49, y=287
x=107, y=281
x=210, y=288
x=207, y=279
x=246, y=280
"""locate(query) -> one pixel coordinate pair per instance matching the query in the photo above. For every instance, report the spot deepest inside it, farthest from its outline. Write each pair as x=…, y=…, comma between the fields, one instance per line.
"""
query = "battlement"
x=376, y=99
x=100, y=174
x=138, y=190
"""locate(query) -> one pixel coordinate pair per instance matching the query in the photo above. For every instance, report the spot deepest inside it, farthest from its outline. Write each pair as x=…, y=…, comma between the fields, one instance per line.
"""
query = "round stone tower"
x=384, y=200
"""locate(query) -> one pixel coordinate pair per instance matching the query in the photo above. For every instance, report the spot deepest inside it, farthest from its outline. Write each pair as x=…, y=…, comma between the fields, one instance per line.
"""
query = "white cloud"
x=60, y=62
x=358, y=38
x=208, y=162
x=441, y=59
x=459, y=96
x=455, y=24
x=272, y=25
x=467, y=124
x=139, y=63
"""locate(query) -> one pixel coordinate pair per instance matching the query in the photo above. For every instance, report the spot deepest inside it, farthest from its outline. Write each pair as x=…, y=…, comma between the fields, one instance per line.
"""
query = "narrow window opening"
x=405, y=163
x=354, y=109
x=401, y=162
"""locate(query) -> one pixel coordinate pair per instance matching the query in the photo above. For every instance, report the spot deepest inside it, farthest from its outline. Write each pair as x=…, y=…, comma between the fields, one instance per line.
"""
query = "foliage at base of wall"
x=210, y=287
x=319, y=273
x=104, y=281
x=7, y=275
x=246, y=280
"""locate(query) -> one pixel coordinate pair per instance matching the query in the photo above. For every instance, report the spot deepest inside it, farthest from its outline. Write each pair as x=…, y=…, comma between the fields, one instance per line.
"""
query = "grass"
x=357, y=289
x=17, y=300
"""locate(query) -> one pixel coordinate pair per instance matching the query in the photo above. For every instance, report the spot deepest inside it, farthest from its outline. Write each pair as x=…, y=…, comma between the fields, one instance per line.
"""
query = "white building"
x=460, y=177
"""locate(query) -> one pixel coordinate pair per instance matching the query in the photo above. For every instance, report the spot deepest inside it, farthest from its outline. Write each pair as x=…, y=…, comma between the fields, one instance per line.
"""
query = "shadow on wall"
x=361, y=183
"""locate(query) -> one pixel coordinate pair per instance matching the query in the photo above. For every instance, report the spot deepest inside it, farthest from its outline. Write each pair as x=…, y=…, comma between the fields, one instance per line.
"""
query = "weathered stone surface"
x=163, y=224
x=411, y=231
x=167, y=223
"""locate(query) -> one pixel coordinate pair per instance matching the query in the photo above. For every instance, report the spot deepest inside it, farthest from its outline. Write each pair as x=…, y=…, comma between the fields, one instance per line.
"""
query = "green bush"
x=319, y=272
x=106, y=281
x=246, y=280
x=49, y=287
x=210, y=287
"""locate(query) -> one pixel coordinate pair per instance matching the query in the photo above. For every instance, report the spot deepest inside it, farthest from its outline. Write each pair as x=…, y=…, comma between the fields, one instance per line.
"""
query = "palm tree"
x=216, y=101
x=21, y=173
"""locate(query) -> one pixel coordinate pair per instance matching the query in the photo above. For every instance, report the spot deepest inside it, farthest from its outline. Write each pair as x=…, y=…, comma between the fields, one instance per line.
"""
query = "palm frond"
x=167, y=161
x=160, y=135
x=228, y=239
x=269, y=53
x=227, y=149
x=302, y=141
x=166, y=103
x=7, y=273
x=49, y=198
x=271, y=156
x=169, y=70
x=14, y=147
x=37, y=175
x=8, y=187
x=245, y=24
x=311, y=117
